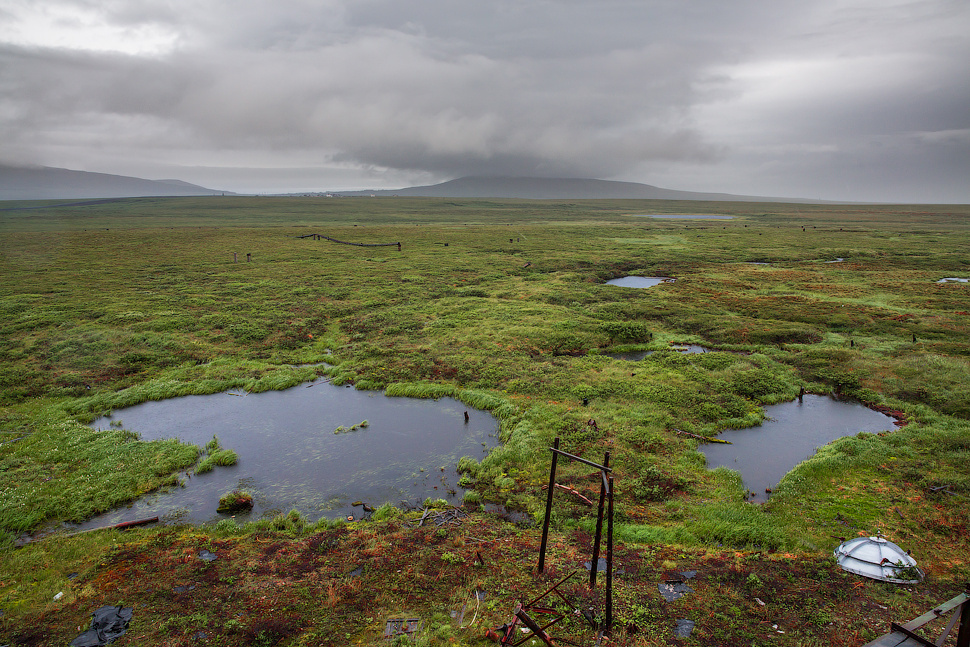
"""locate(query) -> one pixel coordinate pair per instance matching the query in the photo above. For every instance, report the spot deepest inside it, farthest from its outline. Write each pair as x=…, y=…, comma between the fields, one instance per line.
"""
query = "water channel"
x=791, y=434
x=290, y=457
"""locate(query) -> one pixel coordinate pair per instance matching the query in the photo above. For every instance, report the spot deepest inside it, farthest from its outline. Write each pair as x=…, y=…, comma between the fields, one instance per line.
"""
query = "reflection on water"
x=953, y=279
x=290, y=457
x=637, y=355
x=792, y=433
x=639, y=281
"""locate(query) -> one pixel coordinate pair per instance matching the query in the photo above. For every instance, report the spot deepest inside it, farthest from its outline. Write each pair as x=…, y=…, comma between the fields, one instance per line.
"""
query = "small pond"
x=953, y=279
x=791, y=434
x=688, y=216
x=639, y=281
x=637, y=355
x=290, y=457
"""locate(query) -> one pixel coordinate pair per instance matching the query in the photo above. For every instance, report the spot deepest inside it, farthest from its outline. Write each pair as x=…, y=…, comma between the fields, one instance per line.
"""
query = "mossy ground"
x=286, y=585
x=502, y=304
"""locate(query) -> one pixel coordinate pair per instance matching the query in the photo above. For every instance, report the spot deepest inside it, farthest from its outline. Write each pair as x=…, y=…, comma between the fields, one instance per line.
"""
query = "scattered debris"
x=600, y=565
x=479, y=598
x=684, y=628
x=401, y=627
x=673, y=590
x=107, y=625
x=452, y=516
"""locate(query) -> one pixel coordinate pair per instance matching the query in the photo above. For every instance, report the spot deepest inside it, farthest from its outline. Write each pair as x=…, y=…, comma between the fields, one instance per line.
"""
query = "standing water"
x=290, y=457
x=639, y=281
x=792, y=433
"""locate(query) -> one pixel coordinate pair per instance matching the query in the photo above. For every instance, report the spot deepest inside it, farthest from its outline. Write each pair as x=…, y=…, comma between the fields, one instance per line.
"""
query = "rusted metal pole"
x=603, y=468
x=545, y=523
x=594, y=565
x=534, y=627
x=609, y=560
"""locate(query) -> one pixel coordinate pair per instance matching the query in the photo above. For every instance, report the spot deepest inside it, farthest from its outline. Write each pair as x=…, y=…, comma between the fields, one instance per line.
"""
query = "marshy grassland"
x=502, y=304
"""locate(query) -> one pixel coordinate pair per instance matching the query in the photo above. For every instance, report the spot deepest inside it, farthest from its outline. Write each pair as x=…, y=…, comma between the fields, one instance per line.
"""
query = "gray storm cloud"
x=741, y=97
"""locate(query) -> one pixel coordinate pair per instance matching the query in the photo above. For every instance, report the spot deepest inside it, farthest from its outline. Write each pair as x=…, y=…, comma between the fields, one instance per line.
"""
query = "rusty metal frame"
x=606, y=498
x=521, y=612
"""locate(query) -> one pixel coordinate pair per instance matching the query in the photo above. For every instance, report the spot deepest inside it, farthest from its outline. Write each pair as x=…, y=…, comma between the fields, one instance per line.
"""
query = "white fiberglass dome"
x=879, y=559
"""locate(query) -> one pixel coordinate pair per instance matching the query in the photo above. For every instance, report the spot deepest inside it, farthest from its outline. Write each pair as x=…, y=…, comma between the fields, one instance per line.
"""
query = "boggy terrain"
x=501, y=304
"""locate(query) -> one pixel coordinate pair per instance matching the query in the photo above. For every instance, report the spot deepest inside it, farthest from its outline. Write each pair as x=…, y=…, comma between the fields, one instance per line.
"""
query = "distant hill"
x=537, y=188
x=47, y=183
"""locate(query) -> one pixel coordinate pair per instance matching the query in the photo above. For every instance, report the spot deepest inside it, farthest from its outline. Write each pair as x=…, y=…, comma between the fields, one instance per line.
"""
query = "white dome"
x=879, y=559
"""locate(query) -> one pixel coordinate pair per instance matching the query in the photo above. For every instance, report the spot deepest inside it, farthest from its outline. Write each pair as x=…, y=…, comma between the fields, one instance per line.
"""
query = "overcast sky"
x=832, y=99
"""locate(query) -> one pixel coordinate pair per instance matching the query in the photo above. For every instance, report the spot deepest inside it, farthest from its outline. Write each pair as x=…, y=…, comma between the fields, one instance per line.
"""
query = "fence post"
x=545, y=523
x=594, y=565
x=609, y=560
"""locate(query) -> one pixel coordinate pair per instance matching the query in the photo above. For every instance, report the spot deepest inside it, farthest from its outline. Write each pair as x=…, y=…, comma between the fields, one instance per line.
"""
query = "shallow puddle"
x=953, y=279
x=792, y=433
x=290, y=457
x=639, y=281
x=637, y=355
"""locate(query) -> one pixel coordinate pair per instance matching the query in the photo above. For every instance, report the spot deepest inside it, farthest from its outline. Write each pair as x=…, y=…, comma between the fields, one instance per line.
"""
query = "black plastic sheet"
x=107, y=625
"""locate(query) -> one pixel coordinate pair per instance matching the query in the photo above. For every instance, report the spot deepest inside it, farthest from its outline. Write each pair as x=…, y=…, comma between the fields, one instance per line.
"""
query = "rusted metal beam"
x=552, y=488
x=594, y=564
x=581, y=460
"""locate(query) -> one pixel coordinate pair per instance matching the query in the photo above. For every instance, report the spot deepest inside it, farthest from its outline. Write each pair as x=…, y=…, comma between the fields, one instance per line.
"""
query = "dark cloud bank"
x=831, y=99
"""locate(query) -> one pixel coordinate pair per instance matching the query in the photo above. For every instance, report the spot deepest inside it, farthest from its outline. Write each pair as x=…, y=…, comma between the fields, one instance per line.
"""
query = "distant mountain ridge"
x=538, y=188
x=49, y=183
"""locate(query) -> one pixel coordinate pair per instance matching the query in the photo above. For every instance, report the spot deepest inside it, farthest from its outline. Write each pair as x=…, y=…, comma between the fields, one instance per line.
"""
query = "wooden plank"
x=895, y=639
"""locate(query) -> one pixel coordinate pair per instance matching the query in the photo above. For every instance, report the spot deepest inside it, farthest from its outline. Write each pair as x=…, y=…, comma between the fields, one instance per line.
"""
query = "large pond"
x=639, y=281
x=290, y=457
x=792, y=433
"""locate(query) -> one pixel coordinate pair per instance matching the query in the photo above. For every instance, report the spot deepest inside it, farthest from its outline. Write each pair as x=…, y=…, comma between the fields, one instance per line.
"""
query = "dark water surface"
x=637, y=355
x=794, y=430
x=290, y=457
x=691, y=216
x=639, y=281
